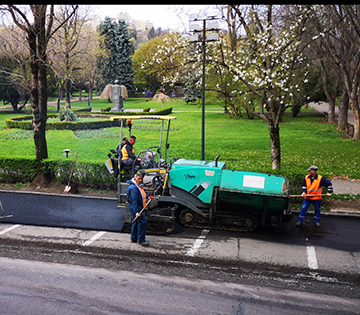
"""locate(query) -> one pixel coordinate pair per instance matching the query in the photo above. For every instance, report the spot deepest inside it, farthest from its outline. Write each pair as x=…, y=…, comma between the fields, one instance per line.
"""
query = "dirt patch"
x=343, y=205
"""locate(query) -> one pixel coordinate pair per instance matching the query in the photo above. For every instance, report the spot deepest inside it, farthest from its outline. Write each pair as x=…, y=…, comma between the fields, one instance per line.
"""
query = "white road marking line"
x=93, y=238
x=9, y=229
x=311, y=257
x=193, y=250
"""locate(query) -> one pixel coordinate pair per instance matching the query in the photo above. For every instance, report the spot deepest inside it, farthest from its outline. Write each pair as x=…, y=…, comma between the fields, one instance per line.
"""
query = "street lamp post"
x=88, y=83
x=197, y=29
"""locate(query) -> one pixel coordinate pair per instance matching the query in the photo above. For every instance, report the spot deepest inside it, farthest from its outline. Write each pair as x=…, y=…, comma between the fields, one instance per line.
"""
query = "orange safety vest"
x=143, y=195
x=313, y=188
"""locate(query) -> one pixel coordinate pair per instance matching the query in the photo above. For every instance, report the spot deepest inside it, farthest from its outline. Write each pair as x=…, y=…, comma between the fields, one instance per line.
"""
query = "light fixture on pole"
x=199, y=35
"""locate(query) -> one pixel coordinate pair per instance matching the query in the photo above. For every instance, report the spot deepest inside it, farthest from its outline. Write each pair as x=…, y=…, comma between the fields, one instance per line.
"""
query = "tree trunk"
x=352, y=87
x=274, y=132
x=356, y=125
x=330, y=96
x=343, y=111
x=38, y=94
x=67, y=93
x=355, y=108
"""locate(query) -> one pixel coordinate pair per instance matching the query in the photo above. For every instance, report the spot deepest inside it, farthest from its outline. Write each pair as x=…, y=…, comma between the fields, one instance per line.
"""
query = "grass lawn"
x=241, y=143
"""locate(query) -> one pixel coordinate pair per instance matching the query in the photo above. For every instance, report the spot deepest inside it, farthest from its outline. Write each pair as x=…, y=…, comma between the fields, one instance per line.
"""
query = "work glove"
x=151, y=197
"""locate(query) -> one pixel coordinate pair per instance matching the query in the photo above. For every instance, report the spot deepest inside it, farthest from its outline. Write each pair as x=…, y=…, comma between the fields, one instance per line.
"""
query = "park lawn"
x=243, y=144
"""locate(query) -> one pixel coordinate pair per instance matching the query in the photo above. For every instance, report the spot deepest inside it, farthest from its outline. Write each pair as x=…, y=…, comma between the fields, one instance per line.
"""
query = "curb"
x=335, y=213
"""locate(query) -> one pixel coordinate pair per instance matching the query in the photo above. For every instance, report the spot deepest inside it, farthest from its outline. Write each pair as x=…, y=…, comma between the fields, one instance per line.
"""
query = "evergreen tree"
x=191, y=88
x=116, y=62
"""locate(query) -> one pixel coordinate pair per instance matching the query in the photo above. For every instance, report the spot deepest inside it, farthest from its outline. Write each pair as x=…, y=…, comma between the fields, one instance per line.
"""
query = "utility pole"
x=198, y=29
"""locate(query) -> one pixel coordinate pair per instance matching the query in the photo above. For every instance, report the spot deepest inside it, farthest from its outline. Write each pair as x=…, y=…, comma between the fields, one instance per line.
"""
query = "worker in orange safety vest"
x=312, y=185
x=136, y=198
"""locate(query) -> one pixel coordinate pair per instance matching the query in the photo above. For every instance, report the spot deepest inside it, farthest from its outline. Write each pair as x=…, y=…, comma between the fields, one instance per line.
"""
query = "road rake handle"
x=322, y=195
x=138, y=215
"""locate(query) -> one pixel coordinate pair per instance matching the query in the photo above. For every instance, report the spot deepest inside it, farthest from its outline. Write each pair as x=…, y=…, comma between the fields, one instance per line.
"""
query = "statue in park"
x=117, y=95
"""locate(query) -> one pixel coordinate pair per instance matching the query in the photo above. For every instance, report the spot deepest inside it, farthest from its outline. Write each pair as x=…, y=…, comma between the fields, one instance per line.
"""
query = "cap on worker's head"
x=312, y=168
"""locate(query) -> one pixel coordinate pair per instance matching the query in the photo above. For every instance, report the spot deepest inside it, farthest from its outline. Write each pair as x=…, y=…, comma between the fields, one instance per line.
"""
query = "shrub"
x=17, y=170
x=91, y=175
x=67, y=115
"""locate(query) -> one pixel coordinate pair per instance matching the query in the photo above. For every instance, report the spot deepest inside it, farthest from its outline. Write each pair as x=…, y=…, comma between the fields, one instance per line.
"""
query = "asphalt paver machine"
x=199, y=193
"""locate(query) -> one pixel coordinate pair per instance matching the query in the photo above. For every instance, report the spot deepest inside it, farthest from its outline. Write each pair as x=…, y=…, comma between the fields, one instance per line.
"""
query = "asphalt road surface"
x=62, y=211
x=64, y=254
x=29, y=287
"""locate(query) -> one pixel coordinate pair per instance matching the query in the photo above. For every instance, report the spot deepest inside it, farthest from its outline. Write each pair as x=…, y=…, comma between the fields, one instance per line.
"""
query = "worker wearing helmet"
x=312, y=185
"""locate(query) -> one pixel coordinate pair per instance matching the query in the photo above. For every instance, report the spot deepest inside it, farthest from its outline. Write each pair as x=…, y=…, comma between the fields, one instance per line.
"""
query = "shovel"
x=68, y=187
x=3, y=212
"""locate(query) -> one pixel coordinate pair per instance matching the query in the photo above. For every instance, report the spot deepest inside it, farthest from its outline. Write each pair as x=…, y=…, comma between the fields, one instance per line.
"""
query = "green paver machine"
x=204, y=193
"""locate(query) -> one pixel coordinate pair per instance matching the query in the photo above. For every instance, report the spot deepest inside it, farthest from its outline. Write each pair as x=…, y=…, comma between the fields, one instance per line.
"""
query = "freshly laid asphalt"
x=61, y=211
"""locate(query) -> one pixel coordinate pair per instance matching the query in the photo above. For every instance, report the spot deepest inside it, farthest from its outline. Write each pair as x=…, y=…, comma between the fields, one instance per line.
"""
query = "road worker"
x=312, y=185
x=136, y=198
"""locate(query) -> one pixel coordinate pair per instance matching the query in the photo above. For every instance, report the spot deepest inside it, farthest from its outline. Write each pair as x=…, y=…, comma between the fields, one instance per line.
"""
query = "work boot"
x=298, y=223
x=145, y=243
x=317, y=224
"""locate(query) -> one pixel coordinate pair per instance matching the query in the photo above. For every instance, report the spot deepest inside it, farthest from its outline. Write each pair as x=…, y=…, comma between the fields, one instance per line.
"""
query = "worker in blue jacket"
x=136, y=198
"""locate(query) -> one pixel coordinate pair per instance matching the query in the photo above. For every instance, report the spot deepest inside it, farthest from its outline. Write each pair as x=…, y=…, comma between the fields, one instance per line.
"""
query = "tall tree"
x=116, y=61
x=38, y=27
x=349, y=15
x=65, y=53
x=161, y=60
x=270, y=54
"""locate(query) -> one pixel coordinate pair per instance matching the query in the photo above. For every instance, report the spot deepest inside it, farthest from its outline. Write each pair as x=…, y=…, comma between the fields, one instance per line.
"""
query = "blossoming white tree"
x=266, y=63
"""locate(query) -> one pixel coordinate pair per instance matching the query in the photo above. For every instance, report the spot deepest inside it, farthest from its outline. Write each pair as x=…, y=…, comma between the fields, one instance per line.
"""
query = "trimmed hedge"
x=17, y=170
x=91, y=175
x=25, y=122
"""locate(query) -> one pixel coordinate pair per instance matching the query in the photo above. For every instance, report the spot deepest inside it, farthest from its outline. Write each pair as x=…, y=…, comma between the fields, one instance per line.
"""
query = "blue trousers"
x=305, y=206
x=138, y=228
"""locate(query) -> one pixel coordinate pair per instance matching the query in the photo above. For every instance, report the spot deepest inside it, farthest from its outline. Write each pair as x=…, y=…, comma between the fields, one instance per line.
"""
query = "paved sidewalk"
x=322, y=107
x=342, y=186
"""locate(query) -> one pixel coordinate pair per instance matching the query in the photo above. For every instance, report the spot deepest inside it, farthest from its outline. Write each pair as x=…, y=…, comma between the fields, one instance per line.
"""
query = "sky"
x=163, y=16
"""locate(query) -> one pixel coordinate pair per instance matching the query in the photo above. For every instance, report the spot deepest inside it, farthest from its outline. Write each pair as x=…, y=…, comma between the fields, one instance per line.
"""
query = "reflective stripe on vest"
x=313, y=188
